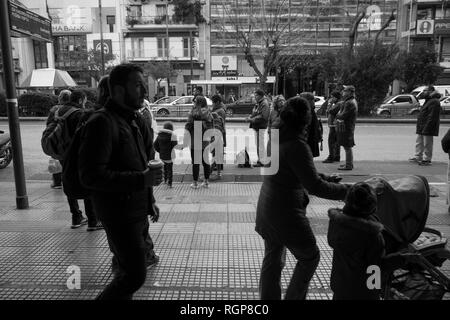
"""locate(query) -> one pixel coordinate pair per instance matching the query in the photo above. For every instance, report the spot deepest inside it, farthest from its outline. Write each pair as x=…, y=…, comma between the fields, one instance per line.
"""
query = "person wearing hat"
x=355, y=234
x=427, y=127
x=345, y=125
x=333, y=107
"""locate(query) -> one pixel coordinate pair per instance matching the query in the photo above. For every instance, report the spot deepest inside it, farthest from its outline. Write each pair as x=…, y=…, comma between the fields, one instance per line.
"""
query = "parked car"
x=418, y=92
x=401, y=104
x=164, y=100
x=445, y=105
x=242, y=106
x=179, y=107
x=318, y=102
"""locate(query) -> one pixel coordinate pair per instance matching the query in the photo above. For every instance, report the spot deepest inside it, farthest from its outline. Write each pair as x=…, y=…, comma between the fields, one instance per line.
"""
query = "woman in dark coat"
x=314, y=131
x=274, y=118
x=281, y=211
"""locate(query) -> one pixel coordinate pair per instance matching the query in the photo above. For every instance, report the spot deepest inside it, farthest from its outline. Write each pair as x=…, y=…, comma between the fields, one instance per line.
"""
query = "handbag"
x=54, y=166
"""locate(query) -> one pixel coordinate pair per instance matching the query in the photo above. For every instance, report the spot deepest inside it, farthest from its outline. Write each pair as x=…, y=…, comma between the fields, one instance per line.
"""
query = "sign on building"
x=442, y=26
x=425, y=27
x=373, y=20
x=224, y=66
x=28, y=23
x=107, y=45
x=72, y=19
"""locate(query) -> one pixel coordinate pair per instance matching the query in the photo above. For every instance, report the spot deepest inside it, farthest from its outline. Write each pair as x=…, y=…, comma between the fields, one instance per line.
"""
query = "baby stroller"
x=414, y=253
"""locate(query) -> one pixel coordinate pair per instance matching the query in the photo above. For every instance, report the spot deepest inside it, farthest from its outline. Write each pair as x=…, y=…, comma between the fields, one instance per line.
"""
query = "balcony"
x=159, y=22
x=145, y=55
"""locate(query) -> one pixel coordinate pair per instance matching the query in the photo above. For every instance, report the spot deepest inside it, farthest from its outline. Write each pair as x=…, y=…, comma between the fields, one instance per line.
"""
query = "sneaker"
x=414, y=160
x=194, y=185
x=152, y=262
x=97, y=226
x=328, y=160
x=345, y=167
x=205, y=184
x=425, y=163
x=56, y=186
x=258, y=164
x=78, y=222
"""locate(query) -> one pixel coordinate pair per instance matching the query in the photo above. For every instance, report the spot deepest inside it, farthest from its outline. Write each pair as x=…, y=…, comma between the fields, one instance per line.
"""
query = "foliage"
x=91, y=62
x=188, y=12
x=419, y=67
x=36, y=103
x=159, y=70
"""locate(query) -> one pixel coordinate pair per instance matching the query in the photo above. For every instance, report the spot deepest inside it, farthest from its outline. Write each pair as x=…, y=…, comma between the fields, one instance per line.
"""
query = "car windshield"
x=166, y=100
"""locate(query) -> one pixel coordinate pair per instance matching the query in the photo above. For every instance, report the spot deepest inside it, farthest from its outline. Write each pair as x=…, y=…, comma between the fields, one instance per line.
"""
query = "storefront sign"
x=107, y=45
x=425, y=27
x=28, y=23
x=224, y=66
x=442, y=26
x=72, y=19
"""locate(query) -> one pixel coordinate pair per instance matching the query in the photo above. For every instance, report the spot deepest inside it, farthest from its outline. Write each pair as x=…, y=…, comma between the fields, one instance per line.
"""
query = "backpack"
x=72, y=186
x=56, y=137
x=445, y=142
x=243, y=159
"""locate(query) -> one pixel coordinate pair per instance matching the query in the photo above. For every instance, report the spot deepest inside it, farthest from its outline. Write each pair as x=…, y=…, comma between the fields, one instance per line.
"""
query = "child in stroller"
x=355, y=234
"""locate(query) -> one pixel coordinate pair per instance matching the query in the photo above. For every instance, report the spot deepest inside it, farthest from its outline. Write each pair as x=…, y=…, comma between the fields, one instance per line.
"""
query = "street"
x=374, y=142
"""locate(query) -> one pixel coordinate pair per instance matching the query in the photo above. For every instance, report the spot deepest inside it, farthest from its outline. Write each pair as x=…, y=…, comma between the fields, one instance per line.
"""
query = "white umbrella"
x=48, y=78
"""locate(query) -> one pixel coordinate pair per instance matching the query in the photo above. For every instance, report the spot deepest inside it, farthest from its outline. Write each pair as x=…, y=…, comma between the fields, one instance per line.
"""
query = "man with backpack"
x=113, y=163
x=56, y=141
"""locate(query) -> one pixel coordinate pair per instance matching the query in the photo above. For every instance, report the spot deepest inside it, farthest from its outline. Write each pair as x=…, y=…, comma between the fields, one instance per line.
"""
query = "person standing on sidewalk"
x=332, y=109
x=274, y=119
x=258, y=122
x=218, y=109
x=281, y=210
x=427, y=127
x=114, y=153
x=314, y=129
x=164, y=144
x=345, y=125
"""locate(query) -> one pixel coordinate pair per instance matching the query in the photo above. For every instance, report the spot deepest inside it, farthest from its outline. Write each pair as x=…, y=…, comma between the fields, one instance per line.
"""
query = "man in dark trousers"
x=332, y=108
x=259, y=120
x=427, y=127
x=114, y=153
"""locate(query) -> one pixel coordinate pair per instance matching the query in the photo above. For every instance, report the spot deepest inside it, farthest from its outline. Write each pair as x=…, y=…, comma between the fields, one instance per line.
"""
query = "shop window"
x=40, y=54
x=111, y=21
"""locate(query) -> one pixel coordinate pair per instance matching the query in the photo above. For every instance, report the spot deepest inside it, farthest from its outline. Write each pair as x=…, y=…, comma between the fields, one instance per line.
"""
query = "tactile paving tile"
x=438, y=219
x=94, y=239
x=206, y=278
x=209, y=241
x=53, y=294
x=186, y=207
x=204, y=295
x=244, y=295
x=218, y=217
x=208, y=259
x=211, y=228
x=247, y=278
x=319, y=225
x=9, y=256
x=167, y=277
x=319, y=296
x=242, y=217
x=286, y=276
x=32, y=226
x=25, y=239
x=65, y=240
x=186, y=217
x=90, y=256
x=174, y=258
x=178, y=228
x=241, y=207
x=241, y=228
x=313, y=200
x=245, y=241
x=145, y=294
x=173, y=241
x=48, y=256
x=245, y=258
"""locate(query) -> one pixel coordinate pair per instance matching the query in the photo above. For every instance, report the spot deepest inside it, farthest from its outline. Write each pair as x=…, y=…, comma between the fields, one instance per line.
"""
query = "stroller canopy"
x=403, y=205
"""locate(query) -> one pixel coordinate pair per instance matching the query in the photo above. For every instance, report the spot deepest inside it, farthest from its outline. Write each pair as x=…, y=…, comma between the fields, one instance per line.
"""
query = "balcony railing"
x=154, y=55
x=157, y=20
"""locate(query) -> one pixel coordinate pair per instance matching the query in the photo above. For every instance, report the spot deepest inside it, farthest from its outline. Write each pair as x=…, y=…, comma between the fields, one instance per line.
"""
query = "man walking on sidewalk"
x=427, y=127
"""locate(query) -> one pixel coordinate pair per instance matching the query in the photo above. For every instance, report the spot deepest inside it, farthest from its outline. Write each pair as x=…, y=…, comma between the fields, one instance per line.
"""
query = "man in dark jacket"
x=332, y=108
x=314, y=129
x=164, y=144
x=258, y=121
x=427, y=127
x=114, y=152
x=345, y=125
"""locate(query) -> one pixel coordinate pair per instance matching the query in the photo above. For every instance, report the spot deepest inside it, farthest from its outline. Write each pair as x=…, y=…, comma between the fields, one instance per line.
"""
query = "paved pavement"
x=205, y=237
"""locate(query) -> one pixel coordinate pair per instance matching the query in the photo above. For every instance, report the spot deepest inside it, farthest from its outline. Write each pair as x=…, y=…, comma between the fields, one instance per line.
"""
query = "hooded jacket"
x=357, y=244
x=164, y=144
x=428, y=119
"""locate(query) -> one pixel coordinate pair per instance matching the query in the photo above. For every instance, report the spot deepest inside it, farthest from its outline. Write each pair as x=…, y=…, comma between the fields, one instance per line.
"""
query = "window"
x=402, y=99
x=40, y=54
x=111, y=21
x=425, y=14
x=162, y=47
x=186, y=47
x=137, y=45
x=135, y=11
x=70, y=51
x=161, y=10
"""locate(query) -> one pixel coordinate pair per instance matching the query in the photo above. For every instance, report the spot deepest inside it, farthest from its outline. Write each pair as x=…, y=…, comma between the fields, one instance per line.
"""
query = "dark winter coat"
x=314, y=133
x=206, y=119
x=274, y=120
x=72, y=121
x=332, y=111
x=284, y=196
x=220, y=110
x=260, y=115
x=357, y=243
x=428, y=119
x=347, y=113
x=164, y=144
x=114, y=170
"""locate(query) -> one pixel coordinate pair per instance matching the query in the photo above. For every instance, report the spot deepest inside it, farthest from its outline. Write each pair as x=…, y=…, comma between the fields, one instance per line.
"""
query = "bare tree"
x=158, y=71
x=271, y=30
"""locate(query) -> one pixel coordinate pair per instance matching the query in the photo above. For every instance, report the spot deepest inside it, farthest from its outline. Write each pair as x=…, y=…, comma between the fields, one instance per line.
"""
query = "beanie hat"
x=168, y=126
x=361, y=200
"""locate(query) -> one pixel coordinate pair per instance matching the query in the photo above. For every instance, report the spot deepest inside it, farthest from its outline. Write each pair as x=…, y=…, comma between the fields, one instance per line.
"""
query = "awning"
x=51, y=78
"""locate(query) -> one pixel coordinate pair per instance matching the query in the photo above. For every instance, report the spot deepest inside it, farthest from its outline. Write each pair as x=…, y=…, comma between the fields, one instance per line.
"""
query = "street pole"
x=167, y=48
x=102, y=53
x=410, y=21
x=13, y=114
x=190, y=53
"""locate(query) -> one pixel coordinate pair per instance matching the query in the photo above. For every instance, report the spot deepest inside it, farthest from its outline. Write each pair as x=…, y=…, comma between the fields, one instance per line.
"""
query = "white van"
x=417, y=92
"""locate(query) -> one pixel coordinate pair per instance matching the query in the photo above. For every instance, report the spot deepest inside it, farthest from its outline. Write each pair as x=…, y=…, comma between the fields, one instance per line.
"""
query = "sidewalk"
x=205, y=237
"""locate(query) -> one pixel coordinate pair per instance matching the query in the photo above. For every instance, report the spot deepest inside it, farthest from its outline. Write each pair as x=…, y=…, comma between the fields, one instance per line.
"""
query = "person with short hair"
x=427, y=127
x=282, y=204
x=164, y=144
x=259, y=119
x=219, y=117
x=113, y=161
x=355, y=234
x=333, y=107
x=314, y=130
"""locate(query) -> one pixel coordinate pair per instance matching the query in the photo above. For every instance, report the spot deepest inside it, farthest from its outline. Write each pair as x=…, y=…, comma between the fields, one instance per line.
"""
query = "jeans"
x=274, y=261
x=168, y=171
x=348, y=156
x=260, y=145
x=88, y=207
x=196, y=167
x=424, y=147
x=334, y=149
x=129, y=244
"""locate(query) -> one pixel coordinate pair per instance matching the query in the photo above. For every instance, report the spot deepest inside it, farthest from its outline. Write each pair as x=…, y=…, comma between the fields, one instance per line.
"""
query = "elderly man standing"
x=427, y=127
x=259, y=120
x=345, y=125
